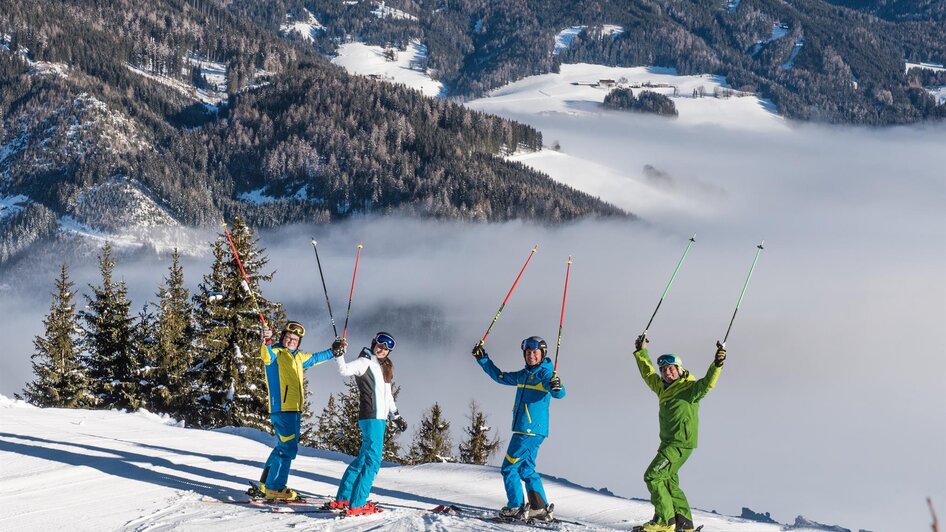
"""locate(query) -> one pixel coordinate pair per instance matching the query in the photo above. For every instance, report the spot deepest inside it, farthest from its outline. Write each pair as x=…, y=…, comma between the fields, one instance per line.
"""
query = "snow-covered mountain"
x=107, y=470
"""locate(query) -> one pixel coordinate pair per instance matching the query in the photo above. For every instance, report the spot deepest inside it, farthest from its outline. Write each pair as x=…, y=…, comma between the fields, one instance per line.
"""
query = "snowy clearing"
x=109, y=470
x=10, y=205
x=308, y=27
x=573, y=92
x=935, y=67
x=408, y=67
x=565, y=38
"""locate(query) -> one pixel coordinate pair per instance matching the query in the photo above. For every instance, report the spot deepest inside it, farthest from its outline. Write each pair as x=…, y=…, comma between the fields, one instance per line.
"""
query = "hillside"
x=815, y=60
x=108, y=470
x=209, y=115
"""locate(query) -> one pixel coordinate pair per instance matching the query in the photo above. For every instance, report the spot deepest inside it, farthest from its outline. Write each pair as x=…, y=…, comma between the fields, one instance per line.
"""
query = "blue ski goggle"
x=386, y=339
x=531, y=343
x=668, y=360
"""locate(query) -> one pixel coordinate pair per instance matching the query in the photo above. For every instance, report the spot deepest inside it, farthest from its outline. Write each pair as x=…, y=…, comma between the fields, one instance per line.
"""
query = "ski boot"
x=286, y=494
x=684, y=524
x=336, y=505
x=512, y=514
x=542, y=515
x=255, y=492
x=655, y=526
x=367, y=509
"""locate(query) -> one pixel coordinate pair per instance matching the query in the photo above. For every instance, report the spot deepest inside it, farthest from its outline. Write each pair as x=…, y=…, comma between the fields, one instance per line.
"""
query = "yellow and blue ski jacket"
x=679, y=401
x=284, y=374
x=530, y=413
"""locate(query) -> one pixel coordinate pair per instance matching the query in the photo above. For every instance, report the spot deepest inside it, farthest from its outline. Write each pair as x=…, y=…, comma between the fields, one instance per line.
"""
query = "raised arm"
x=651, y=378
x=482, y=358
x=354, y=368
x=314, y=359
x=704, y=385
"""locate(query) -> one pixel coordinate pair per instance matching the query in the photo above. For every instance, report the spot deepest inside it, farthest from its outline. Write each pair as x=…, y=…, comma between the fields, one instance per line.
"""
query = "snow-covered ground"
x=384, y=11
x=408, y=68
x=106, y=470
x=10, y=205
x=307, y=26
x=565, y=38
x=572, y=92
x=935, y=67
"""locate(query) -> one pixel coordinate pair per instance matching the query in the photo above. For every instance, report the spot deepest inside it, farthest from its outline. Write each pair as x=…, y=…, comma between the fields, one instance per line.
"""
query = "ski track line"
x=143, y=523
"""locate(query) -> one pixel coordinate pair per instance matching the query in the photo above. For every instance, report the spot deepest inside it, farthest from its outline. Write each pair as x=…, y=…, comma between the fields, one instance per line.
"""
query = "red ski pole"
x=561, y=319
x=513, y=287
x=351, y=293
x=246, y=278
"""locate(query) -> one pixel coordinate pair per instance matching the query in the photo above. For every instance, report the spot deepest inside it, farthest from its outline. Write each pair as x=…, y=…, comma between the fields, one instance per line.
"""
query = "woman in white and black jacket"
x=374, y=372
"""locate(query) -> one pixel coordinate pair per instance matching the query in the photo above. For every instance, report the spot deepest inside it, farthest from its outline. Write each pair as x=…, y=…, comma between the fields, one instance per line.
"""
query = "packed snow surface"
x=408, y=67
x=107, y=470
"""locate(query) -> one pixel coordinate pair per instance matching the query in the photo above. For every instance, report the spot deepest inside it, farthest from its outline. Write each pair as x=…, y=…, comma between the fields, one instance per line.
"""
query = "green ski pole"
x=662, y=296
x=743, y=294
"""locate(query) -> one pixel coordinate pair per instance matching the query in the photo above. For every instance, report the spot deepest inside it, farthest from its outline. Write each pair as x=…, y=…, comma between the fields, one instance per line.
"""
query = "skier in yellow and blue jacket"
x=285, y=364
x=536, y=384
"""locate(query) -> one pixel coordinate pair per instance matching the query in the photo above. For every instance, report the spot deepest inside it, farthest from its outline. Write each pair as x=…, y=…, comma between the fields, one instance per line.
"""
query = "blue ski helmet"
x=669, y=360
x=534, y=342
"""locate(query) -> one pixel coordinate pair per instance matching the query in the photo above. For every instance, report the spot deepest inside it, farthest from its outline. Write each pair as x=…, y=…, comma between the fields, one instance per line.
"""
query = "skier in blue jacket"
x=284, y=364
x=536, y=384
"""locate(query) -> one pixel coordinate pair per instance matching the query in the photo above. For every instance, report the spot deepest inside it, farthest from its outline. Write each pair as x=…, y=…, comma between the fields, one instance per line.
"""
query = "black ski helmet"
x=384, y=338
x=534, y=342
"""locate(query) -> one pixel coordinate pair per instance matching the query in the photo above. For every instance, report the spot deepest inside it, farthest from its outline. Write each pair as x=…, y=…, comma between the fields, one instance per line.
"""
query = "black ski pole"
x=662, y=296
x=324, y=288
x=743, y=294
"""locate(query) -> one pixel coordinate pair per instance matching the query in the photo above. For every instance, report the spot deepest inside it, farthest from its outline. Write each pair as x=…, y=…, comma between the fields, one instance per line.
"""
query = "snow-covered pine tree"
x=227, y=349
x=478, y=446
x=348, y=436
x=328, y=426
x=61, y=380
x=113, y=365
x=309, y=430
x=172, y=391
x=432, y=442
x=143, y=341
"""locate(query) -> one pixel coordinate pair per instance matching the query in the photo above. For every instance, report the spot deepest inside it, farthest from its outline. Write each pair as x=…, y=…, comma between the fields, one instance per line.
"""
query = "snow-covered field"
x=106, y=470
x=408, y=68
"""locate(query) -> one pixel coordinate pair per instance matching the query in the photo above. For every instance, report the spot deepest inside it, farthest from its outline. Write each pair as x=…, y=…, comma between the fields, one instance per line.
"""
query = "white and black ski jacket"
x=377, y=401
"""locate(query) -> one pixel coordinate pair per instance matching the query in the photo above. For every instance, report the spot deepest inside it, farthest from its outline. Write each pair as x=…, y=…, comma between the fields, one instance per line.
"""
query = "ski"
x=460, y=511
x=640, y=528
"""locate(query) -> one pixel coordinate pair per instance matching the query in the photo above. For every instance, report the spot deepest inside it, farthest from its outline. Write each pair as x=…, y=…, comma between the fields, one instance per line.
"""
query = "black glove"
x=339, y=346
x=720, y=355
x=478, y=352
x=555, y=383
x=641, y=342
x=400, y=424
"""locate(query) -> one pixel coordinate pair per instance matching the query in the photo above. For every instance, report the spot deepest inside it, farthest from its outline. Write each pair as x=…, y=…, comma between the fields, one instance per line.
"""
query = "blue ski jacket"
x=530, y=413
x=284, y=374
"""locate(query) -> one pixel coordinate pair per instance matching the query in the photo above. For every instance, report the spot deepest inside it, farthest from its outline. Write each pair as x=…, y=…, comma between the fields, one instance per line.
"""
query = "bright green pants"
x=664, y=483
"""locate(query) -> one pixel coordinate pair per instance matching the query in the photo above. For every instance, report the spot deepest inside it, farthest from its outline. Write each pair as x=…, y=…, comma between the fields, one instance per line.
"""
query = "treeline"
x=645, y=102
x=195, y=357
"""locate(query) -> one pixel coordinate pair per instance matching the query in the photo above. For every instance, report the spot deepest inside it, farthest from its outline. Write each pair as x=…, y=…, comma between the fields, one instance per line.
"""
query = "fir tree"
x=348, y=434
x=432, y=442
x=61, y=380
x=309, y=429
x=478, y=447
x=328, y=431
x=233, y=382
x=113, y=365
x=143, y=339
x=172, y=391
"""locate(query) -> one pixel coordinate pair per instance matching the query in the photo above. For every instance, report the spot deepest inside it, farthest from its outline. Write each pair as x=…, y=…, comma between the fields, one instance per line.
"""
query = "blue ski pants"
x=518, y=467
x=286, y=425
x=358, y=478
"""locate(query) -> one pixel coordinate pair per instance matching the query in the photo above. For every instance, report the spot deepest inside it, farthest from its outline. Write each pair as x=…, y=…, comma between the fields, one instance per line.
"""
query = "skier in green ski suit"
x=679, y=394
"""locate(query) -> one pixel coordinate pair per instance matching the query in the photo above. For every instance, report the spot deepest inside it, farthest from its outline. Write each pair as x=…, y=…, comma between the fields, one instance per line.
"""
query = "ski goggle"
x=531, y=343
x=294, y=327
x=386, y=339
x=668, y=360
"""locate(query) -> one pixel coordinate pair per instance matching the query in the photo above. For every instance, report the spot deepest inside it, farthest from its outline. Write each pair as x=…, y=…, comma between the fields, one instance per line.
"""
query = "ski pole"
x=246, y=278
x=561, y=319
x=662, y=296
x=324, y=289
x=513, y=287
x=743, y=294
x=352, y=291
